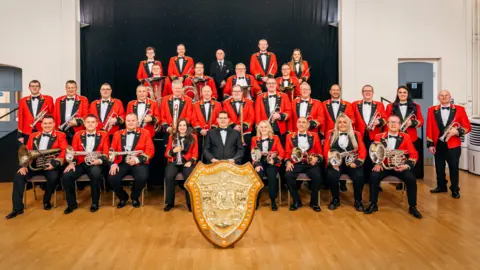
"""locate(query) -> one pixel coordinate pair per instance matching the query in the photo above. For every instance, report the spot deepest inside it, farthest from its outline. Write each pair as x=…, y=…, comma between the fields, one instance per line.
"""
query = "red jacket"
x=80, y=110
x=360, y=124
x=345, y=107
x=256, y=67
x=208, y=81
x=315, y=114
x=143, y=72
x=143, y=141
x=151, y=109
x=314, y=141
x=435, y=124
x=102, y=145
x=198, y=118
x=173, y=68
x=262, y=110
x=361, y=150
x=248, y=113
x=114, y=110
x=274, y=145
x=403, y=143
x=303, y=73
x=291, y=81
x=255, y=89
x=25, y=113
x=190, y=152
x=167, y=110
x=58, y=139
x=416, y=123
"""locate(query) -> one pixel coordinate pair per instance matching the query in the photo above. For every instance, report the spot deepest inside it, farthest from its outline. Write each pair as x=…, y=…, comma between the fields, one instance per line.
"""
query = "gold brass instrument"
x=404, y=126
x=39, y=116
x=389, y=158
x=277, y=109
x=371, y=125
x=90, y=157
x=298, y=155
x=336, y=158
x=41, y=157
x=454, y=124
x=190, y=89
x=241, y=123
x=175, y=119
x=66, y=125
x=130, y=154
x=107, y=127
x=288, y=89
x=257, y=155
x=178, y=143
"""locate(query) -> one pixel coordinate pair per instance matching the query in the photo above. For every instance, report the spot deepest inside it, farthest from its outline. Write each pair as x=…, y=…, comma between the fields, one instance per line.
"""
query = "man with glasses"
x=109, y=111
x=249, y=85
x=288, y=84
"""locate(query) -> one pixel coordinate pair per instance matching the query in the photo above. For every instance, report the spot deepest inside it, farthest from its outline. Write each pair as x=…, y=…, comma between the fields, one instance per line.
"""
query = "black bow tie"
x=237, y=101
x=335, y=102
x=241, y=78
x=343, y=134
x=222, y=129
x=393, y=137
x=297, y=63
x=264, y=140
x=304, y=101
x=402, y=104
x=33, y=98
x=141, y=102
x=70, y=99
x=150, y=62
x=302, y=135
x=263, y=53
x=367, y=103
x=105, y=101
x=130, y=132
x=90, y=135
x=176, y=99
x=445, y=108
x=46, y=135
x=181, y=57
x=272, y=96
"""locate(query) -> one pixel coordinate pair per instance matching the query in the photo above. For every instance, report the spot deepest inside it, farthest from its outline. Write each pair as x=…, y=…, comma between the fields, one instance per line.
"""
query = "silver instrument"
x=404, y=126
x=336, y=158
x=107, y=127
x=90, y=156
x=371, y=125
x=454, y=124
x=66, y=125
x=39, y=117
x=178, y=143
x=130, y=154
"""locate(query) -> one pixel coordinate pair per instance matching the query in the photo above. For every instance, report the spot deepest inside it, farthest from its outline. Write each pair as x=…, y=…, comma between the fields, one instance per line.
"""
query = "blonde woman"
x=299, y=67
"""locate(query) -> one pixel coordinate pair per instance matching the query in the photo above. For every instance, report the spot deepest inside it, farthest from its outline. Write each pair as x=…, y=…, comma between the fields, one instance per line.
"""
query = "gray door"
x=10, y=89
x=419, y=75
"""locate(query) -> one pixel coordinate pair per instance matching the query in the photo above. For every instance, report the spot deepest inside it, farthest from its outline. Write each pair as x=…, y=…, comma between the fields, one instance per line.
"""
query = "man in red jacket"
x=306, y=106
x=263, y=64
x=146, y=66
x=249, y=84
x=180, y=66
x=445, y=143
x=108, y=110
x=198, y=81
x=288, y=84
x=145, y=109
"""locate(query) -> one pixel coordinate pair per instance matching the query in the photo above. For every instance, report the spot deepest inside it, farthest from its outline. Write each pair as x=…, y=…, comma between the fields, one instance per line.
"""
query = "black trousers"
x=139, y=173
x=452, y=158
x=419, y=166
x=270, y=171
x=406, y=176
x=95, y=174
x=355, y=174
x=368, y=164
x=20, y=181
x=246, y=149
x=313, y=172
x=170, y=173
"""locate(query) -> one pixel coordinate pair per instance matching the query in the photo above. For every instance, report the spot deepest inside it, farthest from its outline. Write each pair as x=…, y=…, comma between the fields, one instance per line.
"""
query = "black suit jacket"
x=214, y=148
x=220, y=74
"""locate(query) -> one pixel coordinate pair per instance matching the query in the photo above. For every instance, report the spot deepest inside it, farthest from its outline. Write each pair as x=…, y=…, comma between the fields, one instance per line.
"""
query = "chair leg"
x=279, y=190
x=113, y=198
x=25, y=197
x=164, y=193
x=55, y=198
x=76, y=189
x=105, y=188
x=143, y=196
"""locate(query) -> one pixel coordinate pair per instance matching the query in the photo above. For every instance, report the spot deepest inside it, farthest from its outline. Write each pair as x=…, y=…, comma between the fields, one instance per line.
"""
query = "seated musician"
x=270, y=160
x=91, y=141
x=131, y=140
x=49, y=139
x=250, y=88
x=307, y=144
x=344, y=139
x=198, y=81
x=145, y=109
x=395, y=140
x=288, y=84
x=182, y=155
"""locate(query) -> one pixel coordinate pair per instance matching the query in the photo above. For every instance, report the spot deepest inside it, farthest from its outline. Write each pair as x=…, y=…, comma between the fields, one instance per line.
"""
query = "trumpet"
x=404, y=126
x=66, y=125
x=41, y=157
x=175, y=118
x=190, y=89
x=456, y=125
x=389, y=158
x=371, y=125
x=39, y=116
x=130, y=154
x=107, y=127
x=270, y=119
x=90, y=157
x=335, y=158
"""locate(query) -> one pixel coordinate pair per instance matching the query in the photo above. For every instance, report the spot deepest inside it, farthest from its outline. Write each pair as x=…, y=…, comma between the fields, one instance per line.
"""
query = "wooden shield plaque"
x=223, y=198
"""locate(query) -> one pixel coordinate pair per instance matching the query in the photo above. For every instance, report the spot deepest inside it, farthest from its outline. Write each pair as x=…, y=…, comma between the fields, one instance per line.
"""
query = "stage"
x=448, y=237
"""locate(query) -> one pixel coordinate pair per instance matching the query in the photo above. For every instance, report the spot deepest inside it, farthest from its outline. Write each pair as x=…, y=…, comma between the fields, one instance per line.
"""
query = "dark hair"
x=199, y=63
x=188, y=135
x=34, y=81
x=90, y=115
x=410, y=103
x=336, y=85
x=394, y=115
x=150, y=49
x=71, y=82
x=48, y=116
x=223, y=112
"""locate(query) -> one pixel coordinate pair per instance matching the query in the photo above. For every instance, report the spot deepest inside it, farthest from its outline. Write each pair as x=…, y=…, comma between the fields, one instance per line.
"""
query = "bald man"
x=220, y=70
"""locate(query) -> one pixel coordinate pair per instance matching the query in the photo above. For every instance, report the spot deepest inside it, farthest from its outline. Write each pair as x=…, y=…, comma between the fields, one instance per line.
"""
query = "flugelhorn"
x=130, y=154
x=371, y=123
x=389, y=158
x=299, y=155
x=90, y=157
x=454, y=124
x=42, y=157
x=404, y=126
x=335, y=158
x=39, y=116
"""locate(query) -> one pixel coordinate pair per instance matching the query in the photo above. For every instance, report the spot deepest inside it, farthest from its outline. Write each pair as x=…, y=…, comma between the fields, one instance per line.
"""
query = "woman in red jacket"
x=299, y=67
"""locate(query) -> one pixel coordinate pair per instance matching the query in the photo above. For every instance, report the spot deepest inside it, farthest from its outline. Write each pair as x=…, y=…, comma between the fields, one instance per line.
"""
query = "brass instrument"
x=190, y=89
x=39, y=116
x=42, y=157
x=141, y=123
x=155, y=95
x=66, y=125
x=130, y=154
x=304, y=73
x=175, y=119
x=90, y=157
x=299, y=155
x=389, y=158
x=371, y=125
x=241, y=123
x=454, y=124
x=246, y=91
x=107, y=127
x=178, y=143
x=404, y=126
x=277, y=109
x=257, y=155
x=288, y=89
x=335, y=158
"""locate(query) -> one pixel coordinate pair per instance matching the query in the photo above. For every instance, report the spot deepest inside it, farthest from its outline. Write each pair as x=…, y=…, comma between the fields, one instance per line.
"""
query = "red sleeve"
x=419, y=116
x=258, y=109
x=430, y=126
x=286, y=107
x=189, y=109
x=169, y=147
x=155, y=113
x=84, y=104
x=389, y=110
x=130, y=107
x=56, y=114
x=411, y=149
x=383, y=113
x=296, y=92
x=349, y=113
x=140, y=72
x=212, y=85
x=171, y=69
x=279, y=147
x=253, y=144
x=318, y=145
x=227, y=90
x=288, y=147
x=121, y=110
x=249, y=117
x=362, y=151
x=62, y=140
x=306, y=71
x=20, y=116
x=117, y=146
x=149, y=147
x=463, y=121
x=326, y=145
x=162, y=112
x=193, y=151
x=106, y=144
x=253, y=66
x=93, y=110
x=257, y=90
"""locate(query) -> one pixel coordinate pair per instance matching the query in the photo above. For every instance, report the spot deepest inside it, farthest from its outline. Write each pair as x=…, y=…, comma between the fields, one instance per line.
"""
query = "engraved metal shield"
x=223, y=197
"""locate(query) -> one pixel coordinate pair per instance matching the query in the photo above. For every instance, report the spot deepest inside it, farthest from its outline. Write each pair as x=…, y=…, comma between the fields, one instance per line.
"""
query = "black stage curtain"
x=119, y=31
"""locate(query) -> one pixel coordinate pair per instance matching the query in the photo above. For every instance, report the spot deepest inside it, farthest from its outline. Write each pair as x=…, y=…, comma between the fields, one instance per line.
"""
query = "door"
x=10, y=89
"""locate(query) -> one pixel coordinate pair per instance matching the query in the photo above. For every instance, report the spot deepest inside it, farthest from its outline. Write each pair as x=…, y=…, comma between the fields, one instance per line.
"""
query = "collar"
x=390, y=134
x=109, y=100
x=94, y=132
x=339, y=100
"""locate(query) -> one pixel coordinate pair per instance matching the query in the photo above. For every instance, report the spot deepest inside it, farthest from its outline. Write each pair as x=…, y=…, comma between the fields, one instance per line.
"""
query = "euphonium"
x=336, y=158
x=443, y=138
x=130, y=154
x=389, y=158
x=42, y=157
x=90, y=157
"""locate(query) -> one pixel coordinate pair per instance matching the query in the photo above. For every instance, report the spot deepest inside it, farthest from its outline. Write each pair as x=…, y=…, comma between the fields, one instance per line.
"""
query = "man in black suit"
x=220, y=70
x=223, y=143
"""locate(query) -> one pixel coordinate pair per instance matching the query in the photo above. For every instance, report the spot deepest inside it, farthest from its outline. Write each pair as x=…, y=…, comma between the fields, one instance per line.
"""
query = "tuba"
x=190, y=89
x=90, y=157
x=443, y=138
x=42, y=157
x=130, y=154
x=389, y=158
x=336, y=158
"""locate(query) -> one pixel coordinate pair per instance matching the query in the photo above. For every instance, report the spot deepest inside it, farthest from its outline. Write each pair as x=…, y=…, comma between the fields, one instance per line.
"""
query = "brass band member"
x=344, y=139
x=159, y=85
x=288, y=82
x=270, y=160
x=91, y=141
x=145, y=69
x=180, y=66
x=130, y=139
x=108, y=110
x=249, y=84
x=446, y=123
x=199, y=80
x=48, y=139
x=263, y=64
x=182, y=155
x=174, y=107
x=391, y=140
x=310, y=150
x=298, y=67
x=145, y=109
x=306, y=106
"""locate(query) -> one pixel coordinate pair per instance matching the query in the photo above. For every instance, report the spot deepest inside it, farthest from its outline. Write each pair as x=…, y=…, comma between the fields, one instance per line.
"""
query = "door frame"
x=437, y=71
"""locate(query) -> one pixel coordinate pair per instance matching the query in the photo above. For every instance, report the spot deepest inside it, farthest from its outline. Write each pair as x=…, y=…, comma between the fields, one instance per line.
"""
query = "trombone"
x=39, y=116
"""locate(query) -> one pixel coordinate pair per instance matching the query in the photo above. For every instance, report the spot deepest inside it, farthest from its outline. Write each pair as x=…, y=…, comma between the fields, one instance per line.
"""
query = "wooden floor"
x=147, y=238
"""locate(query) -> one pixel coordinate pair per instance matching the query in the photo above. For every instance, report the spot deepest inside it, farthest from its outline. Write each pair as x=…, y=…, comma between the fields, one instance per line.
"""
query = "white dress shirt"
x=265, y=146
x=335, y=107
x=264, y=60
x=303, y=142
x=220, y=63
x=35, y=105
x=69, y=108
x=242, y=81
x=445, y=115
x=180, y=64
x=303, y=108
x=207, y=110
x=44, y=142
x=391, y=142
x=366, y=112
x=403, y=110
x=176, y=104
x=285, y=83
x=297, y=67
x=150, y=65
x=129, y=142
x=343, y=141
x=103, y=109
x=141, y=107
x=272, y=102
x=90, y=142
x=223, y=133
x=237, y=107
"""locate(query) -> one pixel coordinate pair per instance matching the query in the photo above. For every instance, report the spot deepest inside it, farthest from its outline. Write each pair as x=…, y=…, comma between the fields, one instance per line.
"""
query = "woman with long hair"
x=299, y=67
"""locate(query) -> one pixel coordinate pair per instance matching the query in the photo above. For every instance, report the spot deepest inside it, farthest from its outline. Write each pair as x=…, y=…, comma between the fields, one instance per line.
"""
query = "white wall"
x=375, y=34
x=43, y=39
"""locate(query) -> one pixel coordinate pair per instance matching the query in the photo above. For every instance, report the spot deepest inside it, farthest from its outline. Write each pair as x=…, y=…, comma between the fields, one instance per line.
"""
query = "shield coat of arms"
x=223, y=197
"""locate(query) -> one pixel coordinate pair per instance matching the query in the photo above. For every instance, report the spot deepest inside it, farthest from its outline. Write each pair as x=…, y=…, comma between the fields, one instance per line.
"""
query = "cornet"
x=130, y=154
x=107, y=127
x=456, y=125
x=65, y=126
x=39, y=117
x=178, y=143
x=389, y=158
x=404, y=126
x=90, y=157
x=277, y=109
x=298, y=155
x=335, y=158
x=42, y=157
x=371, y=125
x=141, y=123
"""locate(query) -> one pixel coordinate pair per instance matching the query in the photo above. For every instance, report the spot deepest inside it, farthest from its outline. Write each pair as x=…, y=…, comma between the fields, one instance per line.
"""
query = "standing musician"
x=145, y=109
x=410, y=114
x=251, y=89
x=174, y=107
x=145, y=69
x=298, y=67
x=159, y=85
x=306, y=106
x=109, y=111
x=199, y=80
x=446, y=123
x=182, y=155
x=220, y=70
x=31, y=110
x=131, y=139
x=303, y=154
x=98, y=144
x=47, y=140
x=180, y=66
x=348, y=159
x=70, y=111
x=370, y=117
x=394, y=139
x=263, y=64
x=288, y=84
x=270, y=159
x=274, y=107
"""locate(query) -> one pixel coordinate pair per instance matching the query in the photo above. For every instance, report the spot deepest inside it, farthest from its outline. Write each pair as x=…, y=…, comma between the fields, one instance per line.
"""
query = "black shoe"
x=359, y=206
x=438, y=190
x=380, y=189
x=295, y=206
x=274, y=206
x=343, y=187
x=70, y=209
x=334, y=204
x=136, y=203
x=414, y=212
x=373, y=207
x=189, y=206
x=399, y=186
x=168, y=207
x=455, y=194
x=121, y=204
x=14, y=213
x=47, y=206
x=315, y=207
x=94, y=208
